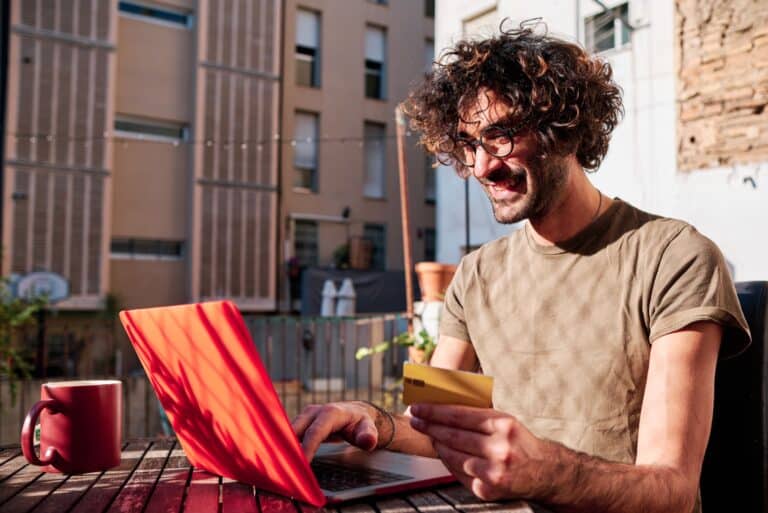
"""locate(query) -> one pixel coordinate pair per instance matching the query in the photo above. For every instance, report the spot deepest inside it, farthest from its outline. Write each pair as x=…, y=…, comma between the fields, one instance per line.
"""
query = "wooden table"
x=155, y=476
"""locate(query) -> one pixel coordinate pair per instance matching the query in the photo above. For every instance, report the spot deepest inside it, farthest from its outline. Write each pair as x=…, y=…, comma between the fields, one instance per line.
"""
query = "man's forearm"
x=406, y=439
x=583, y=483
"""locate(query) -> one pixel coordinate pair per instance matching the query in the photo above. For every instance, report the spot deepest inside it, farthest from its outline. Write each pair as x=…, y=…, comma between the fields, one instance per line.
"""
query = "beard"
x=541, y=186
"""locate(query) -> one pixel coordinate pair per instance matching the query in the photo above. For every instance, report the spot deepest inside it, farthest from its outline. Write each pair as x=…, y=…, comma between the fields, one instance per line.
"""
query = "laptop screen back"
x=219, y=399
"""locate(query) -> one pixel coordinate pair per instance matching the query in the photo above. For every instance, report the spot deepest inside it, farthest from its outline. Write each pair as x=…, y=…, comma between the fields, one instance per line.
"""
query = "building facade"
x=693, y=143
x=154, y=150
x=347, y=66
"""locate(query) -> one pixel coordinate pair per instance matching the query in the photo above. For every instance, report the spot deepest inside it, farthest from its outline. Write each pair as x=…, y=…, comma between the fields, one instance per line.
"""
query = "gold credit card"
x=425, y=384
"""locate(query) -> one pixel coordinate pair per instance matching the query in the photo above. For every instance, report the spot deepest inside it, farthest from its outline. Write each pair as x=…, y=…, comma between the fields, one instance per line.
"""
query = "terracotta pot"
x=360, y=253
x=434, y=279
x=416, y=355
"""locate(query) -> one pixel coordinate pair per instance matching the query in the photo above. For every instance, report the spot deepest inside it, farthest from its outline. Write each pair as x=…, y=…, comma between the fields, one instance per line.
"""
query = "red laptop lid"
x=218, y=396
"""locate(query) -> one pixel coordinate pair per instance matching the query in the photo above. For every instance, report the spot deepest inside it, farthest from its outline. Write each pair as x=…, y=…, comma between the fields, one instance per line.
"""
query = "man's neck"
x=580, y=204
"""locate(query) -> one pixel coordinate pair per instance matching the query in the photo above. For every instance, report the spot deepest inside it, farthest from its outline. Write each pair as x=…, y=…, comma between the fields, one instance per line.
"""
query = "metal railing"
x=310, y=360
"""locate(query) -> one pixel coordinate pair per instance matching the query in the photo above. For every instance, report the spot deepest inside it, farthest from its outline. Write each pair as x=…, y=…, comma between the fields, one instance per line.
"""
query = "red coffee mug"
x=80, y=426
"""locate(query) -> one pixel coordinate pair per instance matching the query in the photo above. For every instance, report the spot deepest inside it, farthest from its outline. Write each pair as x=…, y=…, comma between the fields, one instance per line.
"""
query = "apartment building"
x=147, y=155
x=347, y=66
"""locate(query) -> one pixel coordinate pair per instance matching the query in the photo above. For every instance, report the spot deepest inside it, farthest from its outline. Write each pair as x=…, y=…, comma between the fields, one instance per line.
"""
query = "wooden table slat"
x=67, y=494
x=24, y=476
x=358, y=507
x=395, y=505
x=169, y=491
x=271, y=503
x=238, y=497
x=463, y=500
x=104, y=490
x=28, y=497
x=156, y=477
x=430, y=501
x=11, y=466
x=306, y=508
x=203, y=493
x=7, y=453
x=134, y=493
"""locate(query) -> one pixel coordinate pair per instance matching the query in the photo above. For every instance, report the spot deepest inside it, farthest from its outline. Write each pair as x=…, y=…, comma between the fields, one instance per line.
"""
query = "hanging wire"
x=226, y=143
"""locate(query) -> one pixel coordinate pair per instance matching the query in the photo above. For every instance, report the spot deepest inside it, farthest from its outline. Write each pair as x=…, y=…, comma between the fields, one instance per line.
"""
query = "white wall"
x=728, y=205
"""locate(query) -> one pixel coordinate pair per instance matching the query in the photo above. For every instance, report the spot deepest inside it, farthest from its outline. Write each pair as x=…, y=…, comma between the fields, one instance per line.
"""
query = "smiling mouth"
x=509, y=183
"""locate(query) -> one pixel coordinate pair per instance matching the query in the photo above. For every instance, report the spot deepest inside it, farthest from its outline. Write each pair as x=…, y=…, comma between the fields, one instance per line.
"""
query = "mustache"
x=503, y=174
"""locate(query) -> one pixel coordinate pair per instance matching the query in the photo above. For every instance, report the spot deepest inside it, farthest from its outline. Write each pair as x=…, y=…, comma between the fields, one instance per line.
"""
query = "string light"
x=227, y=144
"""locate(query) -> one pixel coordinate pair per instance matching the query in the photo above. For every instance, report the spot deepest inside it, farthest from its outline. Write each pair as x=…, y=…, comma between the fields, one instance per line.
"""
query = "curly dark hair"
x=566, y=97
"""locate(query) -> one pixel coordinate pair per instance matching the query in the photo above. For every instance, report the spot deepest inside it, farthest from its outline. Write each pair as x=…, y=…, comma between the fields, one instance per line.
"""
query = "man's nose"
x=485, y=163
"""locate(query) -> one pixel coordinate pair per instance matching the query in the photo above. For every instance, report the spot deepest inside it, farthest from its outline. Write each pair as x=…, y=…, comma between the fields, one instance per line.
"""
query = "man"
x=600, y=323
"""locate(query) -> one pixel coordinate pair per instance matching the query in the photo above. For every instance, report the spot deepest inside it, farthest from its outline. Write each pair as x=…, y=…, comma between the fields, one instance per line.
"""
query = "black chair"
x=735, y=472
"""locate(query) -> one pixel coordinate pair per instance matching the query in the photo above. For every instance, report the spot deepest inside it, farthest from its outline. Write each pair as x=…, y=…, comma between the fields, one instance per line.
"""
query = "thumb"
x=366, y=436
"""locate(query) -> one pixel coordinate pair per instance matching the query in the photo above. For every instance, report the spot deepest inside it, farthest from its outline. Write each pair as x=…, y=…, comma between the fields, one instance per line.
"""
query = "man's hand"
x=491, y=453
x=351, y=421
x=496, y=457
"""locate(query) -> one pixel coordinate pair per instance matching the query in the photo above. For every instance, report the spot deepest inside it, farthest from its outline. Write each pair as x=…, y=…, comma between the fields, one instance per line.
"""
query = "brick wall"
x=722, y=93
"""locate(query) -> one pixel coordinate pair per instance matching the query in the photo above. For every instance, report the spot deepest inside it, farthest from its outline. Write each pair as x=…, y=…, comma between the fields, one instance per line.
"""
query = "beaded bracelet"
x=388, y=415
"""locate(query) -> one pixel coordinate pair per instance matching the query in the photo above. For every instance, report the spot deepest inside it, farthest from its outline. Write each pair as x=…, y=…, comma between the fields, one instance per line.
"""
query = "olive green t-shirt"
x=566, y=330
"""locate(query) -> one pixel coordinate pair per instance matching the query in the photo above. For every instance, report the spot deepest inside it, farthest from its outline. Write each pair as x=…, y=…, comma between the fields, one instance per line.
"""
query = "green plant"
x=110, y=313
x=341, y=257
x=421, y=341
x=15, y=313
x=420, y=346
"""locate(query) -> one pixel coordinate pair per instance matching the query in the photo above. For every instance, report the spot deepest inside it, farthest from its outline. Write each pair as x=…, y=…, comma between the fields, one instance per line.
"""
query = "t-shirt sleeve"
x=452, y=320
x=692, y=284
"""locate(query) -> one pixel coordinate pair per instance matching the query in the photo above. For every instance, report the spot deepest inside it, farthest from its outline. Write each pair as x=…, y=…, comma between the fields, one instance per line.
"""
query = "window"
x=305, y=151
x=429, y=245
x=164, y=15
x=149, y=129
x=606, y=30
x=377, y=234
x=429, y=54
x=375, y=59
x=429, y=181
x=374, y=150
x=305, y=243
x=146, y=249
x=307, y=48
x=429, y=8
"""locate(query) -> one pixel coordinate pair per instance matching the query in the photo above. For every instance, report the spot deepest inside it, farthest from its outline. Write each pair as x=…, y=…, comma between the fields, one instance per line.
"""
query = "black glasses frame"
x=498, y=131
x=455, y=147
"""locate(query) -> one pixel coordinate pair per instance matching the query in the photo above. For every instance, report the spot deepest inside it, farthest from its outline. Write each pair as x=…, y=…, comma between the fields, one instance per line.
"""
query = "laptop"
x=221, y=403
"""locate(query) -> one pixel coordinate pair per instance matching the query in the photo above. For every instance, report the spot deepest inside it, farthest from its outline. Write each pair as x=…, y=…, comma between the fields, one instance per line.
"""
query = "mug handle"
x=28, y=429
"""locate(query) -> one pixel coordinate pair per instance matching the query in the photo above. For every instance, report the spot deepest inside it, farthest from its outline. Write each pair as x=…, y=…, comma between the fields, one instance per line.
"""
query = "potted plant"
x=420, y=346
x=14, y=313
x=341, y=257
x=434, y=278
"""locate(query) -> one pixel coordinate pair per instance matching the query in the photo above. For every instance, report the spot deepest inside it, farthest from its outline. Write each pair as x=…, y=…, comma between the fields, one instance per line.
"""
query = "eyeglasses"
x=497, y=141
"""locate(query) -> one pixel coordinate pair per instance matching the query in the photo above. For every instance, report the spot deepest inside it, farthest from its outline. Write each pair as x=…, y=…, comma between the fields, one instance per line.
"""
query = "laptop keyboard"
x=335, y=477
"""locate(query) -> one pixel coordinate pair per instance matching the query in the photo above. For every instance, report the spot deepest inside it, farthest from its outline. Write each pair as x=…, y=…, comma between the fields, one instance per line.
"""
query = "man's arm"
x=497, y=457
x=364, y=426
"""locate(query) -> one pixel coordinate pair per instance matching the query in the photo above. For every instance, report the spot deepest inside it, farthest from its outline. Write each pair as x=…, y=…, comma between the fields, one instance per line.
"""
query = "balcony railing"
x=310, y=360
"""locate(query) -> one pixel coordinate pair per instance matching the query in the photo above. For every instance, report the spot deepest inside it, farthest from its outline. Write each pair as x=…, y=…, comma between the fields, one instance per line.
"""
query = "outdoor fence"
x=310, y=361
